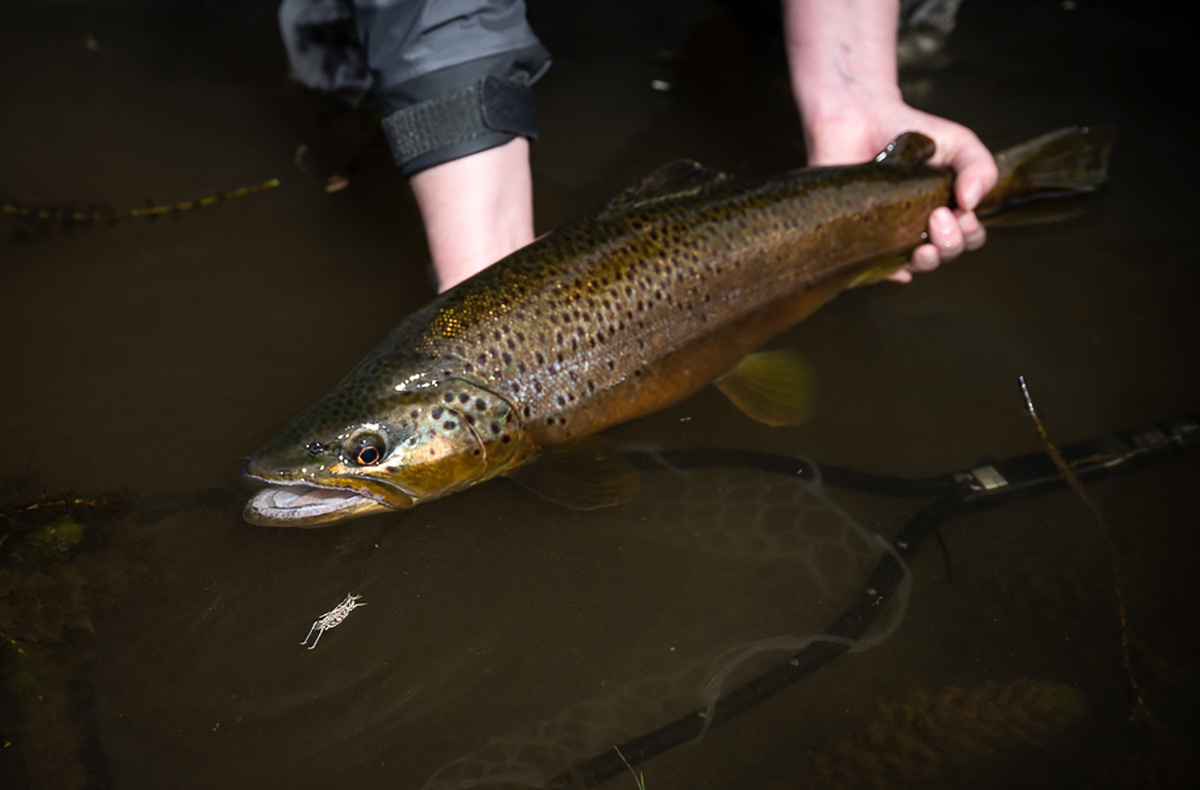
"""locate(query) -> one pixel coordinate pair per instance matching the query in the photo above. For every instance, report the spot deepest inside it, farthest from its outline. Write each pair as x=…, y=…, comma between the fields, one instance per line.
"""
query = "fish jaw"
x=304, y=498
x=299, y=505
x=389, y=452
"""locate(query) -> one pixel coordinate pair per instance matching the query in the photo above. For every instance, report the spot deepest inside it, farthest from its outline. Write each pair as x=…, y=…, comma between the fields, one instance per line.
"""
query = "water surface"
x=151, y=359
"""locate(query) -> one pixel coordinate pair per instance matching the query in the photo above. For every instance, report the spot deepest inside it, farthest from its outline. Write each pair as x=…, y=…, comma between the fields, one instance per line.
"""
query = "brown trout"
x=670, y=286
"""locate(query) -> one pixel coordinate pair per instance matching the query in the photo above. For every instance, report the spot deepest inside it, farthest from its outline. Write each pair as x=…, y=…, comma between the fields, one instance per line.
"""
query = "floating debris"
x=332, y=619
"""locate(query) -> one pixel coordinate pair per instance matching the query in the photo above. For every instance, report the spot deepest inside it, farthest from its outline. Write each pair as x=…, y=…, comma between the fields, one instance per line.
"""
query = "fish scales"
x=618, y=315
x=637, y=307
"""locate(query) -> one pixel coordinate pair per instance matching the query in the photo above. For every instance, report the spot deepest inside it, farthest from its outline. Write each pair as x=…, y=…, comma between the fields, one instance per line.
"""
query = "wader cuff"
x=483, y=115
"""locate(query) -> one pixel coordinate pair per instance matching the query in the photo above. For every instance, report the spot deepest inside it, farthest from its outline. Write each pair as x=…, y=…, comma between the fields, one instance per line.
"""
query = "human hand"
x=860, y=135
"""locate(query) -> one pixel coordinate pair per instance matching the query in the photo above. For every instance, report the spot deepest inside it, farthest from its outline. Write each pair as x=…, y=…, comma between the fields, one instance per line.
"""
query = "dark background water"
x=152, y=359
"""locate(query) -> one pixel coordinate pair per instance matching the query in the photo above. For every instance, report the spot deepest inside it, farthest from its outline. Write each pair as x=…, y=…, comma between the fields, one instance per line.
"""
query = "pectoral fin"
x=584, y=474
x=773, y=387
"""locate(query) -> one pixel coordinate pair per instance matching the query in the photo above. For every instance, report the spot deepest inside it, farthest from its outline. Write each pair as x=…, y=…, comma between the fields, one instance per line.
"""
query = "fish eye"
x=367, y=448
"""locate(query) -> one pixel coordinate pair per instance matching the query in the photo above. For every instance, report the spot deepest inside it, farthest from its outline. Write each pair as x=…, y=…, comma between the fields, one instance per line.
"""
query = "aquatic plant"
x=912, y=743
x=58, y=571
x=639, y=779
x=34, y=219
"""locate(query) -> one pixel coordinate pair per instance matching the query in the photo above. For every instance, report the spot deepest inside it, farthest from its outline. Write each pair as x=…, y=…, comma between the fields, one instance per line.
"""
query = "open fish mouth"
x=302, y=505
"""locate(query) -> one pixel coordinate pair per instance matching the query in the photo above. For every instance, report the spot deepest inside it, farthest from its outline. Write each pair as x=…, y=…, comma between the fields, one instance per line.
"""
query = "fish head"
x=355, y=453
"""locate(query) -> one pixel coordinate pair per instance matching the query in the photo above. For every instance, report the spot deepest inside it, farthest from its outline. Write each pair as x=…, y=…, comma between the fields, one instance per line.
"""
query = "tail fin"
x=1069, y=163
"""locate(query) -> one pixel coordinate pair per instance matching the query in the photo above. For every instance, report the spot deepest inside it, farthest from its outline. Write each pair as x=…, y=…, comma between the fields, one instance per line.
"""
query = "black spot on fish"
x=436, y=413
x=449, y=425
x=480, y=404
x=505, y=438
x=507, y=358
x=414, y=414
x=449, y=398
x=463, y=398
x=494, y=427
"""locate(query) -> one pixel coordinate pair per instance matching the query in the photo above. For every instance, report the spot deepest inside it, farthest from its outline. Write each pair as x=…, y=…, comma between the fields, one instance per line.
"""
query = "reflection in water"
x=772, y=560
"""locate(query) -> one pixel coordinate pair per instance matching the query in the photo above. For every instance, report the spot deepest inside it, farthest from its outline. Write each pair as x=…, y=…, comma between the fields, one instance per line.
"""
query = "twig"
x=40, y=217
x=1114, y=557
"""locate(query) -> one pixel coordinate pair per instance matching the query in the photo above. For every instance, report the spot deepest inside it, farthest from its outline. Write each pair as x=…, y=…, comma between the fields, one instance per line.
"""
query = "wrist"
x=842, y=58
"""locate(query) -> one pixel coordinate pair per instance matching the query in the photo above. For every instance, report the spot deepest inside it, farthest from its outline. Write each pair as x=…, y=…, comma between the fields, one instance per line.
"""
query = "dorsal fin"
x=910, y=148
x=681, y=177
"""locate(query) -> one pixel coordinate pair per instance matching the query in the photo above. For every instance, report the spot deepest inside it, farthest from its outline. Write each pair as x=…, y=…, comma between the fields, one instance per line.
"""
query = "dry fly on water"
x=332, y=619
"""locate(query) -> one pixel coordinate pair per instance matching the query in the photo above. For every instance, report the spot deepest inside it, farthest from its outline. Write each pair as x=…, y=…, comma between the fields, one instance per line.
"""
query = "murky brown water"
x=151, y=359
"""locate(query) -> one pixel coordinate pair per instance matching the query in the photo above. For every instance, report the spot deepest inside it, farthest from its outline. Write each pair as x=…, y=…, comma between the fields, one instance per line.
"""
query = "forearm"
x=842, y=57
x=476, y=209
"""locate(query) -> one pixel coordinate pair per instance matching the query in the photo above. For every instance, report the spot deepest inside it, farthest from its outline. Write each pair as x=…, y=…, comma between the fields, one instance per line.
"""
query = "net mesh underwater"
x=764, y=550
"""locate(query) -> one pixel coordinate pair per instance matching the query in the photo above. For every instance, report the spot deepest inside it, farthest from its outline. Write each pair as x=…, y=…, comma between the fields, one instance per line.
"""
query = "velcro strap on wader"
x=494, y=104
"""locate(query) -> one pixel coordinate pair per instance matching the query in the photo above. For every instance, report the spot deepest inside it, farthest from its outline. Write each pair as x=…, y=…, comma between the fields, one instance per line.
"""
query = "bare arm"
x=476, y=209
x=842, y=55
